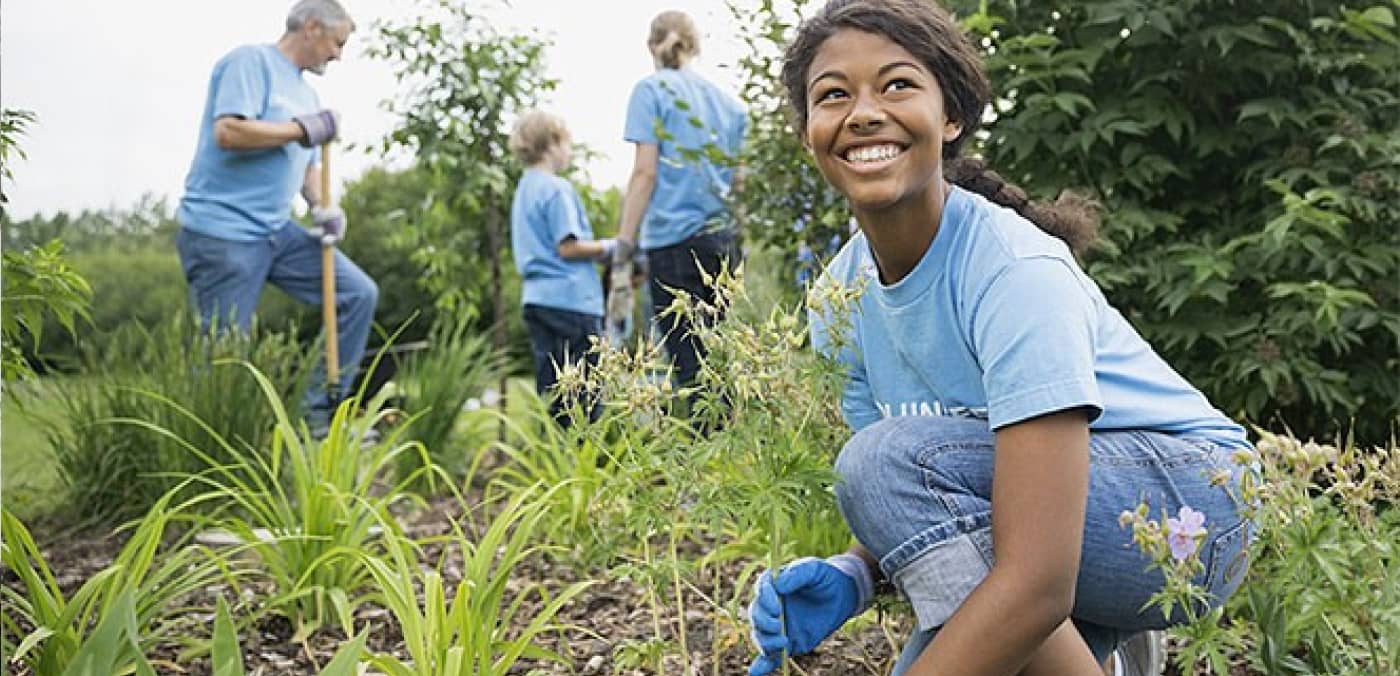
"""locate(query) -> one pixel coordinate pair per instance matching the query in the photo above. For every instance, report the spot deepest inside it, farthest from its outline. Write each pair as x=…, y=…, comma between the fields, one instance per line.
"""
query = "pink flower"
x=1184, y=532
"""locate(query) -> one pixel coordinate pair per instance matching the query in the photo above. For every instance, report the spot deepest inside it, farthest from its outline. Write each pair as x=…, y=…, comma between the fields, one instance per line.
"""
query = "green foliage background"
x=1247, y=155
x=1248, y=158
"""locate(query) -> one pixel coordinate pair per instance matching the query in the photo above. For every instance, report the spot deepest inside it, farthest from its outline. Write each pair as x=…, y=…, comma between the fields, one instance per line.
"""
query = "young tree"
x=464, y=82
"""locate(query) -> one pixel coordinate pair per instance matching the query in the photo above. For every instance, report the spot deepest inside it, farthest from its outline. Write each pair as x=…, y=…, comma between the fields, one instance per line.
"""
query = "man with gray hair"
x=258, y=146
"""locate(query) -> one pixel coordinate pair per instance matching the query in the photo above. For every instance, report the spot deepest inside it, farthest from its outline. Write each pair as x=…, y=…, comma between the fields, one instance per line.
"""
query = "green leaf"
x=346, y=659
x=1379, y=15
x=227, y=653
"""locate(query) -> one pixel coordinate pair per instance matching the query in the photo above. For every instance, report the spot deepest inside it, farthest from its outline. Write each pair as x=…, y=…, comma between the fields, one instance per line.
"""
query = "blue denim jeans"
x=916, y=492
x=226, y=279
x=682, y=268
x=558, y=337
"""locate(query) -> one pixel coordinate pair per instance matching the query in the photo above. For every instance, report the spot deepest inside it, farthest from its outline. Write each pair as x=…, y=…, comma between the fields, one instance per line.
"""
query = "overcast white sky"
x=118, y=85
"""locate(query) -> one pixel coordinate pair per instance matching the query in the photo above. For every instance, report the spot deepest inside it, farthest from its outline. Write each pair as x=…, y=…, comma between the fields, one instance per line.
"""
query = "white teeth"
x=872, y=153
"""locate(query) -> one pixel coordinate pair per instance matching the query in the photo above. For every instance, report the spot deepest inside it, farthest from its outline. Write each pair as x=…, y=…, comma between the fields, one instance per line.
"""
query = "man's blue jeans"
x=916, y=492
x=226, y=279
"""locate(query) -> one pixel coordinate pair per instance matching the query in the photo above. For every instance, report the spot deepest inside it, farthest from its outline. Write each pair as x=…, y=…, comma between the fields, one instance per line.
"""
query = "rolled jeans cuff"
x=939, y=580
x=855, y=567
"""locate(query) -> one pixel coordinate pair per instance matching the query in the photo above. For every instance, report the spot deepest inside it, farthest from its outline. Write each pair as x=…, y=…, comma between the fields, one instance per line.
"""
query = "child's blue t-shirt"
x=998, y=321
x=245, y=195
x=682, y=113
x=545, y=212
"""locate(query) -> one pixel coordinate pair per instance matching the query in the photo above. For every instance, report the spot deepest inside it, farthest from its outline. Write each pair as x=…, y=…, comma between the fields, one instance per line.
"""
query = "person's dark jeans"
x=558, y=337
x=677, y=268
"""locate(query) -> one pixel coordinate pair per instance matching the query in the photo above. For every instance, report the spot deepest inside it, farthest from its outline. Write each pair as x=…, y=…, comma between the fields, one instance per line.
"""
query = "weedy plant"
x=743, y=474
x=473, y=631
x=117, y=615
x=1322, y=594
x=306, y=510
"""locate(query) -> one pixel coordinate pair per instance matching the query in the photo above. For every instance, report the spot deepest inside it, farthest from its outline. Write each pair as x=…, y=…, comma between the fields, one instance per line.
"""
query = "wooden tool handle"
x=328, y=285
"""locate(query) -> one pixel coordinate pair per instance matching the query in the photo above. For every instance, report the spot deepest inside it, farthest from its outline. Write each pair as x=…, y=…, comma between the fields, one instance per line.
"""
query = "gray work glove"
x=330, y=224
x=621, y=255
x=318, y=127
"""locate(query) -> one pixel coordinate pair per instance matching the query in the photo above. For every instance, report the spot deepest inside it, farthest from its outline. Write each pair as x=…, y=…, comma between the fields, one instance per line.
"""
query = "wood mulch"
x=606, y=623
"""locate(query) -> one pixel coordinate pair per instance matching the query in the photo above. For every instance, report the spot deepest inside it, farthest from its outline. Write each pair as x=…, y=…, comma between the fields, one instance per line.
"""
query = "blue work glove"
x=818, y=595
x=318, y=127
x=330, y=224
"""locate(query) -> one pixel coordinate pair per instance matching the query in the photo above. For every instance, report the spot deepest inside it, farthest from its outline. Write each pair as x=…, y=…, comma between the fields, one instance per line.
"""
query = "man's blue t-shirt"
x=245, y=195
x=546, y=211
x=682, y=113
x=998, y=321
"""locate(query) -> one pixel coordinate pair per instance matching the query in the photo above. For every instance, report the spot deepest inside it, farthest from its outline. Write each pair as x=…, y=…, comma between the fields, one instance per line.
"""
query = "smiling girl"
x=1043, y=413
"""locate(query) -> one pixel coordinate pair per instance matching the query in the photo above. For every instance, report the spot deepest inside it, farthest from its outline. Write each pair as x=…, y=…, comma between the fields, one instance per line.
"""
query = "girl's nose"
x=865, y=116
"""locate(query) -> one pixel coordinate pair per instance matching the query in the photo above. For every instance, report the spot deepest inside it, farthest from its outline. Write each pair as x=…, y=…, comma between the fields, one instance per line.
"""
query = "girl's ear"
x=951, y=131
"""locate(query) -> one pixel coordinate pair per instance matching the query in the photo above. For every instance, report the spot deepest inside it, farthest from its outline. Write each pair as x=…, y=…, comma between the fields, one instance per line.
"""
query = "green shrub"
x=114, y=471
x=1247, y=155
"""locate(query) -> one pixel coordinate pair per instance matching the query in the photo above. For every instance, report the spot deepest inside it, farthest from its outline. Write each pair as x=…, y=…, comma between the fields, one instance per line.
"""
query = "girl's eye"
x=830, y=94
x=897, y=84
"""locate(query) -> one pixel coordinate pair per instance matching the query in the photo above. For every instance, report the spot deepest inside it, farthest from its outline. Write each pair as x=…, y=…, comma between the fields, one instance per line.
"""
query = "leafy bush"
x=464, y=81
x=788, y=205
x=1247, y=156
x=40, y=287
x=115, y=471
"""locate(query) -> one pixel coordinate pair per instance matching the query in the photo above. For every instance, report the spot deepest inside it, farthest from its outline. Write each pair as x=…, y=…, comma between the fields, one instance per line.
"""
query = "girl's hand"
x=815, y=597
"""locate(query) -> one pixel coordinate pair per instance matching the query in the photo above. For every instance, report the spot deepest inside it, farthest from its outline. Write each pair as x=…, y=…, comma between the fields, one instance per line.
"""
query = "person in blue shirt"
x=258, y=138
x=1005, y=414
x=555, y=253
x=675, y=207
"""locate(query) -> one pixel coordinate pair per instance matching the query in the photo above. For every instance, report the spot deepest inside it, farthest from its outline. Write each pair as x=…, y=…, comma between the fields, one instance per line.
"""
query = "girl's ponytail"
x=673, y=39
x=1071, y=217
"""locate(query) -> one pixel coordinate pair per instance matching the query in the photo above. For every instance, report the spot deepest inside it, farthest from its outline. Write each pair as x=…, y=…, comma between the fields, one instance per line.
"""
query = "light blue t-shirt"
x=998, y=321
x=678, y=110
x=546, y=211
x=245, y=195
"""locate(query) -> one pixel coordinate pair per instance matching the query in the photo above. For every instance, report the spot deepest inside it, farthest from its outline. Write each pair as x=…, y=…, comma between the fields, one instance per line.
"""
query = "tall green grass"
x=114, y=472
x=436, y=385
